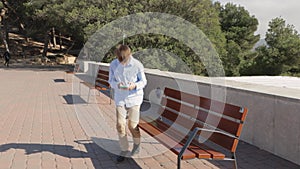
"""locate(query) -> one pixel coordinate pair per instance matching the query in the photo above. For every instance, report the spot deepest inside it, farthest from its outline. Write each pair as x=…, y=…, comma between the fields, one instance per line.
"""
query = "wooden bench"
x=185, y=120
x=101, y=84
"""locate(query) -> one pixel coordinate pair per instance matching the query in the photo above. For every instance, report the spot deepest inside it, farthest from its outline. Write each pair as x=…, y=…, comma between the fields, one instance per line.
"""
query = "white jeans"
x=133, y=114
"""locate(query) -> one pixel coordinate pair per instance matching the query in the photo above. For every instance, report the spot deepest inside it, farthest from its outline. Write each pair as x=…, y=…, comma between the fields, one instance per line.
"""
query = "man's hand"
x=132, y=86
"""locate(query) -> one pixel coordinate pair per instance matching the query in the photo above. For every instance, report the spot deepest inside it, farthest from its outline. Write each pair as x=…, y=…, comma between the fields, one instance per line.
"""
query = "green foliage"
x=239, y=28
x=230, y=28
x=282, y=53
x=81, y=19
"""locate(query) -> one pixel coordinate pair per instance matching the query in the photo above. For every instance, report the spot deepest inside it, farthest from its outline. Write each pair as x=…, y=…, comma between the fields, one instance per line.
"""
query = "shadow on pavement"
x=59, y=80
x=100, y=158
x=74, y=99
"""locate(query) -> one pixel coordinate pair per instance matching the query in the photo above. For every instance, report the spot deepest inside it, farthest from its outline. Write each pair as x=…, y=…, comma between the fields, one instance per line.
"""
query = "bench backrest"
x=191, y=111
x=101, y=82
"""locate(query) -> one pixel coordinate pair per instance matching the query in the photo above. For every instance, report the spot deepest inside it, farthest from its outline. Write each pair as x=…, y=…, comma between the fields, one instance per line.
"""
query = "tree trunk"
x=6, y=32
x=4, y=29
x=46, y=43
x=70, y=47
x=54, y=38
x=4, y=41
x=60, y=41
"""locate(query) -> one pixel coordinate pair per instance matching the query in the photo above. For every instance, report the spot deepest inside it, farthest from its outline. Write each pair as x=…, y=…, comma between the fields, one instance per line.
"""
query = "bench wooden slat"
x=101, y=88
x=222, y=108
x=220, y=139
x=165, y=140
x=216, y=106
x=104, y=72
x=229, y=126
x=96, y=86
x=100, y=81
x=219, y=122
x=178, y=107
x=201, y=151
x=188, y=98
x=188, y=110
x=176, y=118
x=102, y=76
x=203, y=148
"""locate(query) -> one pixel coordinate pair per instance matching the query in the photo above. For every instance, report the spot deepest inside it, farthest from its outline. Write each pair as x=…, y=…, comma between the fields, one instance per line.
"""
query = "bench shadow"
x=59, y=80
x=74, y=99
x=93, y=152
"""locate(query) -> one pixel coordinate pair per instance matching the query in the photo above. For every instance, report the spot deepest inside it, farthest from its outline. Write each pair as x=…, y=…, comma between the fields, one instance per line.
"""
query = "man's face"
x=125, y=55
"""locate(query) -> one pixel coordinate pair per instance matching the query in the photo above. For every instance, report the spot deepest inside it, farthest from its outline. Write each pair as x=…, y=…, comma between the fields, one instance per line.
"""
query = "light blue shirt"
x=133, y=71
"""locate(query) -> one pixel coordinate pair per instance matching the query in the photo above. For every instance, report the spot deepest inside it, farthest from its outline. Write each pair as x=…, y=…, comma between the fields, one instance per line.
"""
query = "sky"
x=266, y=10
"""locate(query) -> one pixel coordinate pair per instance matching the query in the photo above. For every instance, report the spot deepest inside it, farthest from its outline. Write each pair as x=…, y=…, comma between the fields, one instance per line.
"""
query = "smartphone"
x=123, y=87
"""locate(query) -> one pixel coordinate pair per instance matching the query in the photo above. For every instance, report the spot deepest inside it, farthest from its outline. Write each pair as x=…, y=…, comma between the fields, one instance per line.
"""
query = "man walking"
x=6, y=56
x=127, y=78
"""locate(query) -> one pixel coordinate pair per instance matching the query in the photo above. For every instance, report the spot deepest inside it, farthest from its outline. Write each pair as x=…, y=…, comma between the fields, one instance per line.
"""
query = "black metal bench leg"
x=79, y=89
x=88, y=96
x=178, y=162
x=235, y=163
x=186, y=145
x=110, y=95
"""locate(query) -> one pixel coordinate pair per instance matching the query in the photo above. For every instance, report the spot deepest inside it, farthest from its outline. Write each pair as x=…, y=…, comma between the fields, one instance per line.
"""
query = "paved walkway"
x=41, y=128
